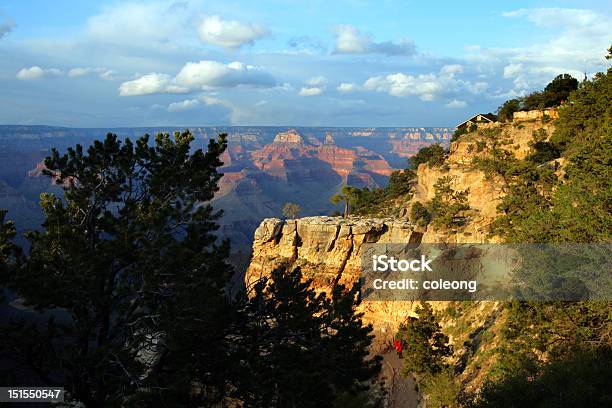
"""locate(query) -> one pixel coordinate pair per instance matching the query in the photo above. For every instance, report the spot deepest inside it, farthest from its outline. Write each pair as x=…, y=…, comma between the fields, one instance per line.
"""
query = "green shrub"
x=419, y=214
x=458, y=133
x=433, y=155
x=447, y=204
x=442, y=389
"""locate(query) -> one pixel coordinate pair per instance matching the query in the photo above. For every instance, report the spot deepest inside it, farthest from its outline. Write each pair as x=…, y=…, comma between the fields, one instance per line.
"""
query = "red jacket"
x=398, y=346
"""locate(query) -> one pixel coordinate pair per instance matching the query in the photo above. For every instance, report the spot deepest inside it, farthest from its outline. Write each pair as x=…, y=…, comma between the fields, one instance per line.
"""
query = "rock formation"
x=328, y=249
x=291, y=136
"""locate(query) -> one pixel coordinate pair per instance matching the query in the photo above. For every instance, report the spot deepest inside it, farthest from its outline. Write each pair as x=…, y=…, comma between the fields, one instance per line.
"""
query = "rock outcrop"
x=329, y=250
x=291, y=136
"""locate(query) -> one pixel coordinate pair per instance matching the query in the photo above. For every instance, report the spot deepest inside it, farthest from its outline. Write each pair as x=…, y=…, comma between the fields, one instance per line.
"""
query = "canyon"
x=329, y=249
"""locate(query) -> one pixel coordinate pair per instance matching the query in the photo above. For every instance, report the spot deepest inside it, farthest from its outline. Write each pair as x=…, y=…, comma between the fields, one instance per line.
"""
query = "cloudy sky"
x=286, y=62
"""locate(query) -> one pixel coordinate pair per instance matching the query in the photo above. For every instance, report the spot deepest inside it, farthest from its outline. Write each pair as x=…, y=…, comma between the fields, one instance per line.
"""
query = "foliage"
x=557, y=91
x=399, y=184
x=380, y=200
x=433, y=155
x=544, y=152
x=554, y=93
x=555, y=353
x=560, y=88
x=348, y=195
x=300, y=348
x=8, y=250
x=506, y=111
x=419, y=214
x=538, y=208
x=129, y=255
x=425, y=344
x=582, y=380
x=443, y=389
x=447, y=204
x=291, y=210
x=458, y=133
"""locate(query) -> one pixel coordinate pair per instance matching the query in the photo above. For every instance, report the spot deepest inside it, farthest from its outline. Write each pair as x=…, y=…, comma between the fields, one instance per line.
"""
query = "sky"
x=286, y=63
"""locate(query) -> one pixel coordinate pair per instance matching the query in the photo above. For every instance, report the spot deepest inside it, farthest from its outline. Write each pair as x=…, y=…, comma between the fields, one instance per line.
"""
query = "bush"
x=544, y=152
x=580, y=381
x=458, y=133
x=506, y=111
x=433, y=155
x=419, y=214
x=442, y=389
x=399, y=183
x=557, y=91
x=447, y=204
x=426, y=345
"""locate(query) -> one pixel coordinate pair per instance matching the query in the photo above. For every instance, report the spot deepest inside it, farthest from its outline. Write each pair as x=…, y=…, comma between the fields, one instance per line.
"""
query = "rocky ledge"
x=328, y=250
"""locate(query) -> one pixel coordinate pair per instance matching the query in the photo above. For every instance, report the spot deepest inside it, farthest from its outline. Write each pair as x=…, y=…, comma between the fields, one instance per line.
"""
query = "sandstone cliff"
x=329, y=249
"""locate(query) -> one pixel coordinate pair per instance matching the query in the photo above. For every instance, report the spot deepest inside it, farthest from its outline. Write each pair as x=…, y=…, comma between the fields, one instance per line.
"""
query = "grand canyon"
x=263, y=167
x=305, y=204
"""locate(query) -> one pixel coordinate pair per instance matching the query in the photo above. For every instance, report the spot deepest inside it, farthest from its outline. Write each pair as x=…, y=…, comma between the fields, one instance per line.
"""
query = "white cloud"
x=525, y=79
x=77, y=72
x=350, y=41
x=579, y=43
x=285, y=86
x=346, y=87
x=103, y=73
x=310, y=91
x=512, y=70
x=107, y=74
x=229, y=33
x=212, y=74
x=556, y=17
x=203, y=75
x=456, y=104
x=425, y=86
x=183, y=105
x=37, y=72
x=146, y=85
x=6, y=26
x=451, y=70
x=316, y=81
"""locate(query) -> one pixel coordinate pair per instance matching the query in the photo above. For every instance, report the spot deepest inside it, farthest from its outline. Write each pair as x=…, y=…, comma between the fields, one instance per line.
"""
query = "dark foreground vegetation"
x=134, y=293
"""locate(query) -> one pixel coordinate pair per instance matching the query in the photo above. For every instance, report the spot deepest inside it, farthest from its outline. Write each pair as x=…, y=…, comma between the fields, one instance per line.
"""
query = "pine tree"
x=425, y=344
x=348, y=195
x=7, y=249
x=129, y=255
x=300, y=348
